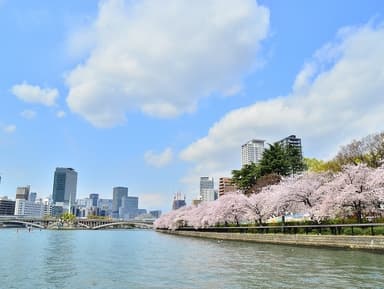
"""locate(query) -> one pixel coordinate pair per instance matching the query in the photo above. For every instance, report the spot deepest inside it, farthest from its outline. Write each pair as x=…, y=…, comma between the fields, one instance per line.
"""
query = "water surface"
x=147, y=259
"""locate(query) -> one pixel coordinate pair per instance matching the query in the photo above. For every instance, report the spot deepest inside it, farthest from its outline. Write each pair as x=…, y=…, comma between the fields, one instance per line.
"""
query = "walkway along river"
x=336, y=236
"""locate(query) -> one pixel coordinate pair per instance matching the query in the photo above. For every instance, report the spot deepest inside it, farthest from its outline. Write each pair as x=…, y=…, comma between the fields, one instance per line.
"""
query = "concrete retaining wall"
x=335, y=241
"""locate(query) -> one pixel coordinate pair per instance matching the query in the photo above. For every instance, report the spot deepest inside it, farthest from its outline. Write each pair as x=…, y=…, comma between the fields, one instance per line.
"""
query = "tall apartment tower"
x=118, y=194
x=22, y=193
x=252, y=151
x=207, y=190
x=64, y=186
x=292, y=140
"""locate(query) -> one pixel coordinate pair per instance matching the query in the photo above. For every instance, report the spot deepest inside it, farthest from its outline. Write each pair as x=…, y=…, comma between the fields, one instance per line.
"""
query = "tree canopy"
x=277, y=161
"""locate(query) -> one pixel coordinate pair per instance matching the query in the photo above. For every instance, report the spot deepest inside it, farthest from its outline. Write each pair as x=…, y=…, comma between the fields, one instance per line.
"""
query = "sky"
x=154, y=94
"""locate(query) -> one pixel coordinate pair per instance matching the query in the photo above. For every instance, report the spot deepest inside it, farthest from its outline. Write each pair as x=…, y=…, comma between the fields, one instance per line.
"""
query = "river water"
x=147, y=259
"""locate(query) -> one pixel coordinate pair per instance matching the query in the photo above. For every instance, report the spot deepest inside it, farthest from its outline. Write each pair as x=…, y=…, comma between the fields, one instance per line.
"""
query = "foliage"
x=246, y=177
x=95, y=217
x=264, y=181
x=68, y=217
x=295, y=160
x=275, y=160
x=319, y=166
x=355, y=194
x=368, y=150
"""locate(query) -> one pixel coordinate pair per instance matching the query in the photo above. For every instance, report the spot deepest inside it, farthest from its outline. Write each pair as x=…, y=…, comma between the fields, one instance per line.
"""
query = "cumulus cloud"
x=159, y=160
x=35, y=94
x=9, y=128
x=337, y=96
x=28, y=114
x=161, y=57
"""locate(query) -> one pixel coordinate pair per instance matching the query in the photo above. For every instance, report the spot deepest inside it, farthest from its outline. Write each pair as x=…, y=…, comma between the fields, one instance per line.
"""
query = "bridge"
x=90, y=224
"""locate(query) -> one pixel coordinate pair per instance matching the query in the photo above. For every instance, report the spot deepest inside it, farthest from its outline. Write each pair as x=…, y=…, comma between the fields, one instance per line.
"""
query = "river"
x=147, y=259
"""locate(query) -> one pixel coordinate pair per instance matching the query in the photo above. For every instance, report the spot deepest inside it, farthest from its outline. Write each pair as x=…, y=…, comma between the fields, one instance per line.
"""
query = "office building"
x=208, y=195
x=29, y=209
x=129, y=207
x=7, y=207
x=64, y=186
x=293, y=141
x=105, y=206
x=94, y=198
x=22, y=193
x=252, y=152
x=155, y=213
x=207, y=191
x=32, y=197
x=178, y=201
x=118, y=194
x=226, y=186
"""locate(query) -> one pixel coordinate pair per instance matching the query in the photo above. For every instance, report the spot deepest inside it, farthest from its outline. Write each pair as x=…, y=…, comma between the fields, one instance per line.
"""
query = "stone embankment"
x=335, y=241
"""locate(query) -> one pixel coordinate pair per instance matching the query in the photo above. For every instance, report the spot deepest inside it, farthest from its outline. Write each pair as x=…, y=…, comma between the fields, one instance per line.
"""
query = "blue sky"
x=153, y=94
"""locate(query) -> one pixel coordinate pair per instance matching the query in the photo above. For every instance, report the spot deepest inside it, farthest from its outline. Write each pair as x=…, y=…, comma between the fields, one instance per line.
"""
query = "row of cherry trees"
x=357, y=191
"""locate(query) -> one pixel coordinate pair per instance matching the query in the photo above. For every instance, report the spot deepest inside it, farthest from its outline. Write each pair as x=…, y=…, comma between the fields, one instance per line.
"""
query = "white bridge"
x=90, y=224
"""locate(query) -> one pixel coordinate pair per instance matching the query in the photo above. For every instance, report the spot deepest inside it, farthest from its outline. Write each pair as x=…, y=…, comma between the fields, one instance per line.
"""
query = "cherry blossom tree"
x=358, y=190
x=304, y=191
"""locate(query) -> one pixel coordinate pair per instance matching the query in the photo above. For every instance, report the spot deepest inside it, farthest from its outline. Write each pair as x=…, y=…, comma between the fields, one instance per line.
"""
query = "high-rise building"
x=64, y=186
x=129, y=207
x=293, y=141
x=105, y=206
x=207, y=195
x=155, y=213
x=178, y=201
x=22, y=193
x=118, y=194
x=7, y=207
x=226, y=186
x=94, y=198
x=32, y=197
x=252, y=152
x=207, y=190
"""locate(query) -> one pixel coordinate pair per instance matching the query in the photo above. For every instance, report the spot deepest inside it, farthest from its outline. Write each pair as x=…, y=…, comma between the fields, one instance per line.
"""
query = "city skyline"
x=117, y=91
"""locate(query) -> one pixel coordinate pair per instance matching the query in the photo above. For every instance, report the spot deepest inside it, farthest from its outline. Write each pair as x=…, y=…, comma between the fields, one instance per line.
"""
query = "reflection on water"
x=58, y=261
x=146, y=259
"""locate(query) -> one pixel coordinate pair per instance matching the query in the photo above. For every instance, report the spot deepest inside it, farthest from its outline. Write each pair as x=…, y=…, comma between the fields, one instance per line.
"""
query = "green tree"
x=68, y=217
x=246, y=177
x=275, y=160
x=295, y=159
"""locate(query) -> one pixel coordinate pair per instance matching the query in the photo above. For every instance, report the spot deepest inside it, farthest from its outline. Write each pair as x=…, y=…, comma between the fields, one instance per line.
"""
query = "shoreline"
x=370, y=243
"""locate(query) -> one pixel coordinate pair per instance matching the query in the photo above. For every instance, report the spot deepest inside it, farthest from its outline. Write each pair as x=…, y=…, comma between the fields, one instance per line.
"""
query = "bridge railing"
x=336, y=229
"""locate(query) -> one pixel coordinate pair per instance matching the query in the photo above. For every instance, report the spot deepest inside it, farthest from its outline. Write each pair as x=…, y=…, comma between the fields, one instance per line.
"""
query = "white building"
x=252, y=152
x=30, y=209
x=207, y=195
x=207, y=190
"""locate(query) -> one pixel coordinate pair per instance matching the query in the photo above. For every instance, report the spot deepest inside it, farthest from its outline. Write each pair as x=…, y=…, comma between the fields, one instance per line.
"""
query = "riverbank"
x=374, y=243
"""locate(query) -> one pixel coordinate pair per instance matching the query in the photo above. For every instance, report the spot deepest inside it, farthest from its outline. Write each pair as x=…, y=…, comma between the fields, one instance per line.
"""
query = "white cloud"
x=337, y=97
x=61, y=114
x=159, y=160
x=28, y=114
x=10, y=128
x=161, y=57
x=35, y=94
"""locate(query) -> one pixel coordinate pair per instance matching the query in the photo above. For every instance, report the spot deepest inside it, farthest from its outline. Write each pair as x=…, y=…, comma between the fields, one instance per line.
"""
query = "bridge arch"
x=23, y=223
